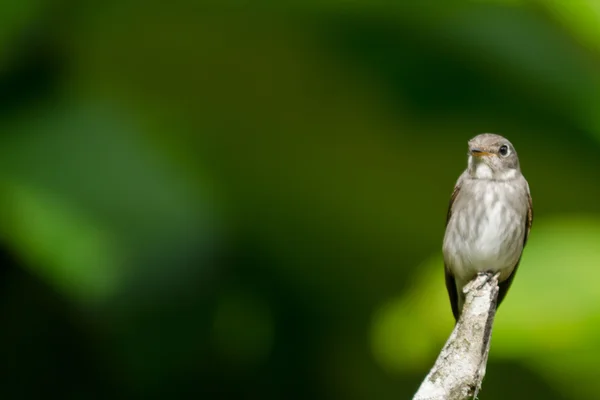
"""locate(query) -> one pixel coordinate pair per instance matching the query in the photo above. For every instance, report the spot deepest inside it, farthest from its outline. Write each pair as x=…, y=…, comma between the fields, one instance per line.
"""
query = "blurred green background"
x=246, y=200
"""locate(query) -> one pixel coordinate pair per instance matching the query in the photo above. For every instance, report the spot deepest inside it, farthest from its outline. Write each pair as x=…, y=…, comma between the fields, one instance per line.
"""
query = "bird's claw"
x=489, y=275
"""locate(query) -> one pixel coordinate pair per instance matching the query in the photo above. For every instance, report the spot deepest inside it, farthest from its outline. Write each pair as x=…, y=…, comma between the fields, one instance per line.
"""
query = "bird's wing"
x=505, y=285
x=450, y=281
x=529, y=221
x=452, y=198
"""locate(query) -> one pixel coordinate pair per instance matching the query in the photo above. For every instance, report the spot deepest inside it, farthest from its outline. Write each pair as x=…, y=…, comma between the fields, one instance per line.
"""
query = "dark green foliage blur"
x=246, y=200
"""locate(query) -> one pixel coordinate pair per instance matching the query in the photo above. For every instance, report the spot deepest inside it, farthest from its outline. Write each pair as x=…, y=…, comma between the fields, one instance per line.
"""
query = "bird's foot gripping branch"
x=460, y=366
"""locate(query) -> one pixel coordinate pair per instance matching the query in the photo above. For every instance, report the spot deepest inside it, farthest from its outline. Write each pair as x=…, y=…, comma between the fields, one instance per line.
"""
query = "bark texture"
x=460, y=367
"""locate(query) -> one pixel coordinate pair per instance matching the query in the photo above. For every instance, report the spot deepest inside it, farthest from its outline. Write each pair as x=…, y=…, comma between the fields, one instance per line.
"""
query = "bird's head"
x=492, y=156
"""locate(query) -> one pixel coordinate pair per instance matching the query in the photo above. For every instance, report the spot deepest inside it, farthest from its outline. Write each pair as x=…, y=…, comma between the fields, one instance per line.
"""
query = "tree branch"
x=459, y=369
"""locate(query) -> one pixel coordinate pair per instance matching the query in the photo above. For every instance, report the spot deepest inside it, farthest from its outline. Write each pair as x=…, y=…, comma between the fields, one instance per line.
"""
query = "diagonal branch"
x=459, y=369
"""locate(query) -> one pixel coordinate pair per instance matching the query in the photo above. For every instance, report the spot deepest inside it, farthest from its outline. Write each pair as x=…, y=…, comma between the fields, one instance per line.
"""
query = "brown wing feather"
x=505, y=285
x=450, y=281
x=452, y=198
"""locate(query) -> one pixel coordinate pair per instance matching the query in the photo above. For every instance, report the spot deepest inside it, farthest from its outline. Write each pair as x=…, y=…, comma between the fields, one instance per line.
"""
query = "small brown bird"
x=489, y=218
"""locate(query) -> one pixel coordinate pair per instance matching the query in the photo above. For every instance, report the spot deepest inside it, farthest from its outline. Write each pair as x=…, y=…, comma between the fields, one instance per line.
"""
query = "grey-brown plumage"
x=488, y=220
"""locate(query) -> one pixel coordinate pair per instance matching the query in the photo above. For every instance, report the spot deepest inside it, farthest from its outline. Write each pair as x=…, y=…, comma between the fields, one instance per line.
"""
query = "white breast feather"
x=492, y=247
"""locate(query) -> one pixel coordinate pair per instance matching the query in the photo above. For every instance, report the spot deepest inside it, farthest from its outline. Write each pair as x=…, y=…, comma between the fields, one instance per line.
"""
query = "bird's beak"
x=477, y=152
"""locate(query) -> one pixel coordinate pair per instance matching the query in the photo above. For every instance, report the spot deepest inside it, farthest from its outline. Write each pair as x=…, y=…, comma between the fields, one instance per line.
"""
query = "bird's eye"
x=503, y=150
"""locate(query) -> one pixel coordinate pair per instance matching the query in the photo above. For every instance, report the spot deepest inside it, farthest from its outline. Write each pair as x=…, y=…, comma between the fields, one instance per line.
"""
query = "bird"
x=488, y=220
